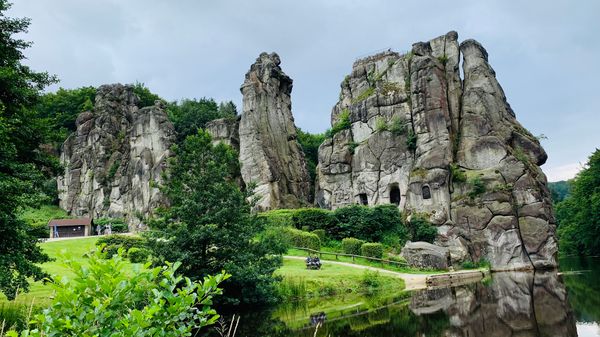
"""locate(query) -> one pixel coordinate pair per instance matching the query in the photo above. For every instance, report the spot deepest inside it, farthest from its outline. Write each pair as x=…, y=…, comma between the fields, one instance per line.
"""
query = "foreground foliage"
x=209, y=226
x=579, y=214
x=104, y=299
x=24, y=167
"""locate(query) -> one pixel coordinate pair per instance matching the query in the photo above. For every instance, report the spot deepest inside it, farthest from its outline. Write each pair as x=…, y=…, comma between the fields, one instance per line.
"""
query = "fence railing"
x=354, y=257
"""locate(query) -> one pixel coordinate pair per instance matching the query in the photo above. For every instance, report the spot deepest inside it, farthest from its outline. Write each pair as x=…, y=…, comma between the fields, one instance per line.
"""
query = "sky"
x=546, y=54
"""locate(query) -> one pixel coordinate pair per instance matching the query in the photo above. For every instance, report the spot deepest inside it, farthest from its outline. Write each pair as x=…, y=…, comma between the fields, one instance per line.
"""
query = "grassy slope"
x=73, y=248
x=334, y=279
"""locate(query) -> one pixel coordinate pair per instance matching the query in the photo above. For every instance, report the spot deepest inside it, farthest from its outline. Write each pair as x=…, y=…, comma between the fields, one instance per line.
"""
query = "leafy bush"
x=298, y=238
x=320, y=233
x=352, y=245
x=421, y=229
x=371, y=280
x=278, y=217
x=477, y=187
x=138, y=255
x=342, y=123
x=106, y=299
x=112, y=243
x=118, y=225
x=37, y=219
x=411, y=140
x=313, y=218
x=458, y=175
x=367, y=223
x=372, y=249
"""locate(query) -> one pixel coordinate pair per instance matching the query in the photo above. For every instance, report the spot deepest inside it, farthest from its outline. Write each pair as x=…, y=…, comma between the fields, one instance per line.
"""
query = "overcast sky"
x=546, y=53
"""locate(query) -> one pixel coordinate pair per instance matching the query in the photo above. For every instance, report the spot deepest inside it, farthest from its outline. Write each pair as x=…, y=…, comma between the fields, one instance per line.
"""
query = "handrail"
x=403, y=264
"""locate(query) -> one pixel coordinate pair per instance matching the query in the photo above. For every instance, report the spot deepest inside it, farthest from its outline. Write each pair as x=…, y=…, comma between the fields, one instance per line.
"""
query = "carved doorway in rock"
x=363, y=199
x=395, y=194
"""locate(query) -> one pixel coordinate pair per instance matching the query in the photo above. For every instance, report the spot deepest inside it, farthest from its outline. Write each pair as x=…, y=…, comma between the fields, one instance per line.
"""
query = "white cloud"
x=563, y=172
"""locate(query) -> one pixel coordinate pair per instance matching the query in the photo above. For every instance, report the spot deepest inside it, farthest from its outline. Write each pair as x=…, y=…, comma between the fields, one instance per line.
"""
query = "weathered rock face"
x=425, y=139
x=225, y=130
x=270, y=155
x=426, y=255
x=115, y=158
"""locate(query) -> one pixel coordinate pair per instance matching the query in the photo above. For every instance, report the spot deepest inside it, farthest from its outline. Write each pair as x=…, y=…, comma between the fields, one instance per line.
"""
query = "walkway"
x=411, y=281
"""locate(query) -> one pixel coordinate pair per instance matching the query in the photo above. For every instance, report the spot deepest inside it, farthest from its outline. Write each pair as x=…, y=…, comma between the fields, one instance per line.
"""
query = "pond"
x=507, y=304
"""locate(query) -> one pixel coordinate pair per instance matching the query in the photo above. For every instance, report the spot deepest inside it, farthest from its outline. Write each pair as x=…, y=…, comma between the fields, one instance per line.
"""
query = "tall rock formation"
x=410, y=131
x=270, y=154
x=115, y=158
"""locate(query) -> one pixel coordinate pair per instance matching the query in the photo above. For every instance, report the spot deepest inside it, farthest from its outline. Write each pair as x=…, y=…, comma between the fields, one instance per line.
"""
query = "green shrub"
x=302, y=239
x=118, y=225
x=320, y=233
x=278, y=217
x=397, y=126
x=342, y=123
x=458, y=175
x=381, y=124
x=114, y=242
x=372, y=249
x=352, y=245
x=37, y=219
x=477, y=187
x=421, y=229
x=371, y=280
x=105, y=299
x=313, y=218
x=138, y=255
x=411, y=140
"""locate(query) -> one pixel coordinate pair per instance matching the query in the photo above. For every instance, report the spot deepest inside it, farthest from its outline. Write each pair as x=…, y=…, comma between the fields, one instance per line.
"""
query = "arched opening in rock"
x=395, y=194
x=363, y=199
x=426, y=192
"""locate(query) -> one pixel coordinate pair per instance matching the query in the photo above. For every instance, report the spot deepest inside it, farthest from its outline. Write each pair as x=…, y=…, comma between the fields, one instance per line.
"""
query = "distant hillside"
x=560, y=190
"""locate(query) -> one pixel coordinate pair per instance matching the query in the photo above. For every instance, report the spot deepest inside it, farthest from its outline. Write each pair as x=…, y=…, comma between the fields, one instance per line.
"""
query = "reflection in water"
x=511, y=304
x=582, y=279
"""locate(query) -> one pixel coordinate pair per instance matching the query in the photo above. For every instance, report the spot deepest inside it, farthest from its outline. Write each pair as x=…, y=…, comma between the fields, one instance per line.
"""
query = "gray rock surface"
x=225, y=130
x=115, y=158
x=426, y=255
x=451, y=148
x=270, y=155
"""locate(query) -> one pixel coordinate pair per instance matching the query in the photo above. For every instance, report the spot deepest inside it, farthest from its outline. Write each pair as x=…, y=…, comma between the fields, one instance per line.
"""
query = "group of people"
x=313, y=263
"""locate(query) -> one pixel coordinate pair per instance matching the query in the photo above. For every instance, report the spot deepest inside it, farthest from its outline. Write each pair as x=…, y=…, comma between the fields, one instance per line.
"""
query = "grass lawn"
x=300, y=283
x=365, y=262
x=58, y=250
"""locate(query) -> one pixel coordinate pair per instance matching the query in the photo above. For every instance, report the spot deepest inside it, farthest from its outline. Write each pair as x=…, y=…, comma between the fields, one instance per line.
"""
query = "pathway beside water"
x=411, y=281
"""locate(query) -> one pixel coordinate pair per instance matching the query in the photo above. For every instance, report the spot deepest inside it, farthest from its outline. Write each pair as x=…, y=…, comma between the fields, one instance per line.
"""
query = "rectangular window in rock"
x=363, y=199
x=426, y=192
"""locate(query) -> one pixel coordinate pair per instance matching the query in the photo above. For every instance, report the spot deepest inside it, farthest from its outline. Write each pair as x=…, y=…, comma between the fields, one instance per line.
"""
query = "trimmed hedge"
x=352, y=245
x=138, y=255
x=372, y=249
x=298, y=238
x=114, y=242
x=320, y=233
x=313, y=218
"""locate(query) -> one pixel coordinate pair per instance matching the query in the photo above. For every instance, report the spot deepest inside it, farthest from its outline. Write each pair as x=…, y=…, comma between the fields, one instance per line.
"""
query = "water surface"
x=507, y=304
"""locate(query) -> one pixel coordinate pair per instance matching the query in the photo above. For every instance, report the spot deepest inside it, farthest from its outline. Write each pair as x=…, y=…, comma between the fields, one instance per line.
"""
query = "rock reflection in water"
x=514, y=304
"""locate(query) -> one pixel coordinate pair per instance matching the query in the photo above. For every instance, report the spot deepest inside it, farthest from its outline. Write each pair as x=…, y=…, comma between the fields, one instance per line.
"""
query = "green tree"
x=21, y=159
x=310, y=145
x=61, y=108
x=189, y=115
x=147, y=98
x=105, y=299
x=579, y=214
x=209, y=226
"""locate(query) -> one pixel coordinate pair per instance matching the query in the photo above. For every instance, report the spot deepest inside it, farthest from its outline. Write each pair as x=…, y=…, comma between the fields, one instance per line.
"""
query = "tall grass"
x=292, y=289
x=13, y=316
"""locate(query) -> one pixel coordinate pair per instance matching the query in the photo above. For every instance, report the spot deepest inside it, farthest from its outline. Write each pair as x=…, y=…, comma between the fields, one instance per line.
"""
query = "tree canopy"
x=579, y=214
x=23, y=164
x=209, y=226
